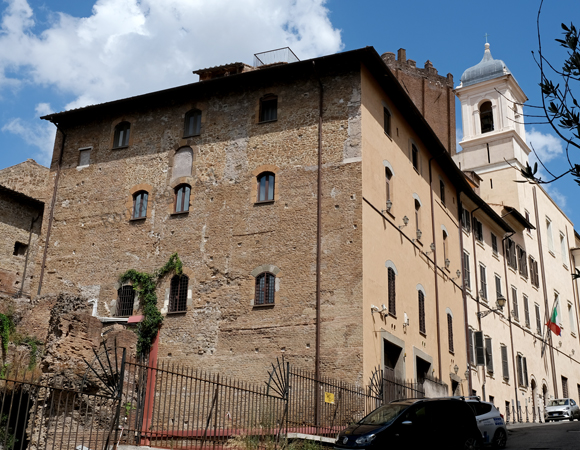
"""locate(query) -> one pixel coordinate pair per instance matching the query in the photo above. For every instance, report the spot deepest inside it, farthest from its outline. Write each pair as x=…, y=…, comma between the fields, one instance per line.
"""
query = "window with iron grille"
x=526, y=311
x=178, y=293
x=122, y=132
x=504, y=363
x=450, y=332
x=483, y=281
x=494, y=244
x=266, y=187
x=564, y=387
x=125, y=300
x=522, y=261
x=192, y=123
x=478, y=229
x=268, y=108
x=387, y=121
x=422, y=328
x=488, y=355
x=182, y=193
x=465, y=219
x=467, y=273
x=265, y=288
x=538, y=319
x=392, y=299
x=140, y=204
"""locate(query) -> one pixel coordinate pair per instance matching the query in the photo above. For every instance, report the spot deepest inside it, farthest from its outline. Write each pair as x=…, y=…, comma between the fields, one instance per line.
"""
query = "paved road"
x=550, y=436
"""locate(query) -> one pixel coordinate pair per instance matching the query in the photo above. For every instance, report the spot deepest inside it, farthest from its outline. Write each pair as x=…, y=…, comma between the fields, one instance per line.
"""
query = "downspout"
x=435, y=272
x=572, y=260
x=544, y=288
x=27, y=255
x=463, y=293
x=318, y=238
x=52, y=203
x=476, y=267
x=508, y=304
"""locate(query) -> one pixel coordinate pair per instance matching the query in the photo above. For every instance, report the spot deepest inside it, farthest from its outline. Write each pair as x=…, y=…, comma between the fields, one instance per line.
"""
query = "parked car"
x=561, y=409
x=414, y=424
x=489, y=421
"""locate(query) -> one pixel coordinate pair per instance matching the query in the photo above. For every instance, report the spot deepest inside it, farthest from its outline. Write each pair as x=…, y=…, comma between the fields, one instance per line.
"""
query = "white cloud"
x=38, y=134
x=458, y=138
x=128, y=47
x=547, y=146
x=558, y=197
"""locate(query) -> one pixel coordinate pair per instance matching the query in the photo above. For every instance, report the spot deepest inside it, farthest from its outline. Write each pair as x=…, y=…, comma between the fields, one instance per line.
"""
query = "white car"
x=490, y=422
x=561, y=409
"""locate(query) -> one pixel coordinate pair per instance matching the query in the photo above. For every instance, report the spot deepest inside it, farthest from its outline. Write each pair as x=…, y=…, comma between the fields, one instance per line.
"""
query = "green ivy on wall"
x=5, y=328
x=145, y=285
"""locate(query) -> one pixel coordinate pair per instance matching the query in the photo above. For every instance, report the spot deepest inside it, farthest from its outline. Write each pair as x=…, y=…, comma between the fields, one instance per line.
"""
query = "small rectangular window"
x=268, y=108
x=465, y=219
x=504, y=363
x=442, y=191
x=84, y=156
x=515, y=311
x=415, y=157
x=483, y=282
x=522, y=261
x=564, y=387
x=526, y=311
x=488, y=355
x=478, y=229
x=387, y=121
x=20, y=249
x=466, y=269
x=494, y=244
x=538, y=319
x=571, y=319
x=498, y=286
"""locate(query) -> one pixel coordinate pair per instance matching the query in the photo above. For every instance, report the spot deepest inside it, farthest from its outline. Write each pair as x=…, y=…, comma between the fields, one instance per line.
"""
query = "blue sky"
x=62, y=54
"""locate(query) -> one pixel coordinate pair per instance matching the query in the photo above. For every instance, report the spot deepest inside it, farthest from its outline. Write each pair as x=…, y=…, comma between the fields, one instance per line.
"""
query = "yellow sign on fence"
x=328, y=397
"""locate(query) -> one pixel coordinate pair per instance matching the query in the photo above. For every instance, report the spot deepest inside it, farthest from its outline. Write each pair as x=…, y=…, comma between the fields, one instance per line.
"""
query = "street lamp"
x=500, y=303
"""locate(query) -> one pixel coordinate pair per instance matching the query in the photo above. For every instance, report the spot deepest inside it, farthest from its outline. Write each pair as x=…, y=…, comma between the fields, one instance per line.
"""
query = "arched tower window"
x=192, y=124
x=486, y=117
x=178, y=293
x=265, y=288
x=125, y=300
x=122, y=132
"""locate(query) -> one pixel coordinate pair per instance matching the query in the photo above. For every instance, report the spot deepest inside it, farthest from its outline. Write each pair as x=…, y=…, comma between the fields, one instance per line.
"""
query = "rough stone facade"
x=432, y=94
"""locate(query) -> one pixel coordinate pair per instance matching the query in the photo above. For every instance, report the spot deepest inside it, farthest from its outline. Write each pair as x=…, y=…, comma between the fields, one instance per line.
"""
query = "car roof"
x=411, y=401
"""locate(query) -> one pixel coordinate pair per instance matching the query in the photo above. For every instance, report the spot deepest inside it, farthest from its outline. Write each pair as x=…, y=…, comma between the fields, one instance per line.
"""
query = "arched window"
x=182, y=198
x=125, y=300
x=418, y=218
x=178, y=293
x=387, y=121
x=192, y=124
x=486, y=117
x=445, y=245
x=392, y=300
x=265, y=288
x=266, y=187
x=140, y=204
x=422, y=327
x=388, y=177
x=122, y=132
x=415, y=157
x=268, y=108
x=450, y=331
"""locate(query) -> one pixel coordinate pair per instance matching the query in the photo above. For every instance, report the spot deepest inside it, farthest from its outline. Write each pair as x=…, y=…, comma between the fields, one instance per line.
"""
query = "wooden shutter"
x=504, y=363
x=520, y=370
x=525, y=371
x=479, y=351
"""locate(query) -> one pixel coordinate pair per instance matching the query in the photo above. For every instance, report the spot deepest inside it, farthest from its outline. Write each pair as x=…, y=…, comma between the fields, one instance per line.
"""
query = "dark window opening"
x=20, y=249
x=268, y=108
x=465, y=219
x=265, y=288
x=192, y=123
x=125, y=300
x=423, y=368
x=486, y=117
x=488, y=355
x=392, y=355
x=84, y=157
x=422, y=327
x=388, y=176
x=140, y=205
x=442, y=191
x=178, y=293
x=504, y=363
x=392, y=300
x=450, y=332
x=478, y=229
x=182, y=198
x=122, y=132
x=387, y=121
x=494, y=243
x=415, y=157
x=266, y=187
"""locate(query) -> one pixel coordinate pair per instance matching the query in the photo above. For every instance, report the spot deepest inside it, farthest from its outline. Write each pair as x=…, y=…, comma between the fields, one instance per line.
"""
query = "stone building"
x=315, y=210
x=22, y=196
x=530, y=267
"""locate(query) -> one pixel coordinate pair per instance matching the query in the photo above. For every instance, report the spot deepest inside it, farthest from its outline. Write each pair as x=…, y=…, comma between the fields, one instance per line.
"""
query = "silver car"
x=561, y=409
x=489, y=421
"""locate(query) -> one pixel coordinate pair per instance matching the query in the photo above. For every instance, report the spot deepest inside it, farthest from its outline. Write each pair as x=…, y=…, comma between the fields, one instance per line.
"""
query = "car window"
x=482, y=408
x=383, y=415
x=572, y=402
x=558, y=402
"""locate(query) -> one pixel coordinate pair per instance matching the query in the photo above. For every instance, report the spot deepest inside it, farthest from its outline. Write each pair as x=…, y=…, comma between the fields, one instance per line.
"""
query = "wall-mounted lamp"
x=374, y=309
x=457, y=275
x=405, y=321
x=419, y=234
x=383, y=311
x=432, y=247
x=500, y=303
x=405, y=223
x=456, y=369
x=447, y=263
x=389, y=206
x=481, y=293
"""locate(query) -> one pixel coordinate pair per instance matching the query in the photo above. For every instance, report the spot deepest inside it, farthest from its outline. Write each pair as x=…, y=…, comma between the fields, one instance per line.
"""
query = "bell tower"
x=492, y=118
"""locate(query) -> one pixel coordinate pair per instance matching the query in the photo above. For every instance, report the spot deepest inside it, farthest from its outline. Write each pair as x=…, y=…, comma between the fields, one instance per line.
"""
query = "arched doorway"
x=544, y=395
x=534, y=387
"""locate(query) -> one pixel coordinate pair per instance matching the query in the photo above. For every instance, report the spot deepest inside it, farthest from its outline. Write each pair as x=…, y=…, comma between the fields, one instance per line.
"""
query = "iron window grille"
x=450, y=332
x=268, y=108
x=140, y=205
x=192, y=123
x=125, y=301
x=182, y=194
x=266, y=183
x=178, y=293
x=265, y=289
x=122, y=133
x=422, y=328
x=392, y=300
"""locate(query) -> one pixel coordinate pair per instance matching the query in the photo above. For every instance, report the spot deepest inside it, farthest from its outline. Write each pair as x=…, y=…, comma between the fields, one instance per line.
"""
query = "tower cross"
x=486, y=35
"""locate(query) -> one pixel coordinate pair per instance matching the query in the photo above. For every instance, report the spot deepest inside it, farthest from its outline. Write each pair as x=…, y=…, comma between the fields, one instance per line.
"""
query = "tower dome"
x=487, y=69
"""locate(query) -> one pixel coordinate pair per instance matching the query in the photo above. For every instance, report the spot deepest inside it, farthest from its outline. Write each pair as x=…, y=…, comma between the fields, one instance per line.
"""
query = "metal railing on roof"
x=280, y=55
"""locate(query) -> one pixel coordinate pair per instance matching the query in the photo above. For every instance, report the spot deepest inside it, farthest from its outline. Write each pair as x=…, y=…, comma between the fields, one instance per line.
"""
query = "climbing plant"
x=145, y=285
x=33, y=343
x=5, y=328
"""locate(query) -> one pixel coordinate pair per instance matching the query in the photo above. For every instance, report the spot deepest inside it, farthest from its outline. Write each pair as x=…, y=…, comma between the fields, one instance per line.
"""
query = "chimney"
x=402, y=55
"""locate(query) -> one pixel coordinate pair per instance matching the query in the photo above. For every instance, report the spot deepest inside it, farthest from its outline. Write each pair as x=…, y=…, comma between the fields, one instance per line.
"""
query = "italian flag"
x=552, y=324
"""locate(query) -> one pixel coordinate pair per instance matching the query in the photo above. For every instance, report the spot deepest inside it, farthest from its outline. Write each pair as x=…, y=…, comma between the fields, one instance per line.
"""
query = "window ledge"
x=495, y=255
x=180, y=213
x=137, y=219
x=512, y=270
x=264, y=202
x=551, y=252
x=265, y=305
x=191, y=135
x=480, y=243
x=267, y=121
x=392, y=315
x=120, y=148
x=524, y=278
x=423, y=334
x=565, y=266
x=83, y=166
x=573, y=334
x=452, y=352
x=176, y=313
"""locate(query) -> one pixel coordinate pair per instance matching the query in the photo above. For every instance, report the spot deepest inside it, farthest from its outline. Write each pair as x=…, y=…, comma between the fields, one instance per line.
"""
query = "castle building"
x=520, y=363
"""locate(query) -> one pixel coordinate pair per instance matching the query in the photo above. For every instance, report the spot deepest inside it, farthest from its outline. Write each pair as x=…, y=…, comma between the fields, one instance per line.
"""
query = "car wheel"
x=499, y=439
x=471, y=443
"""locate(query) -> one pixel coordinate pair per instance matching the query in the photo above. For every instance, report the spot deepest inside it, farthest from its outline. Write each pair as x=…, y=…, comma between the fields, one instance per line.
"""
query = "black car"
x=414, y=424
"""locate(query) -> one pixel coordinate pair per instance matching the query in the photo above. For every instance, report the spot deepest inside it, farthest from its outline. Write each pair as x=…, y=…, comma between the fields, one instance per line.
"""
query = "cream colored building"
x=530, y=267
